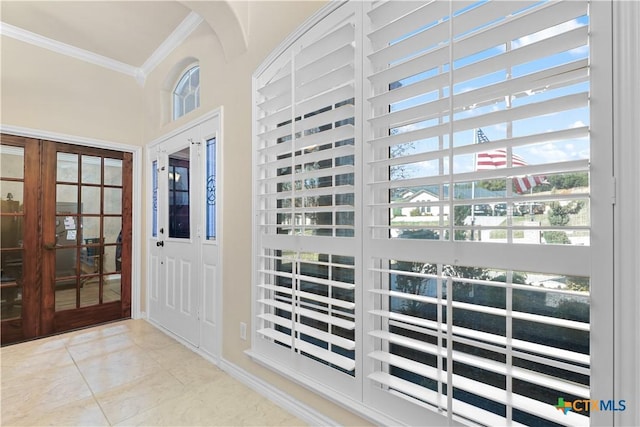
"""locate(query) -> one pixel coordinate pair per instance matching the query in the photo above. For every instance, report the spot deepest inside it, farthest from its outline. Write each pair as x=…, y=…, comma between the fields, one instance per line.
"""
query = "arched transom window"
x=186, y=95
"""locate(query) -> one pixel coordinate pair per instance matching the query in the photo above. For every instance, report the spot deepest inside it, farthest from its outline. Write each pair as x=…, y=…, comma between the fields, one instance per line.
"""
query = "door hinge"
x=614, y=190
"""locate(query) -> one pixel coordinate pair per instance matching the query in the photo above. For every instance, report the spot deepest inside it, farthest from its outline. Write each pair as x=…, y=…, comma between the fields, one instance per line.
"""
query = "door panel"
x=184, y=252
x=74, y=230
x=20, y=252
x=176, y=250
x=211, y=292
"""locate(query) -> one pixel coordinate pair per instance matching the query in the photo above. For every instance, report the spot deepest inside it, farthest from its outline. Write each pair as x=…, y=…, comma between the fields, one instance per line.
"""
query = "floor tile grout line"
x=88, y=385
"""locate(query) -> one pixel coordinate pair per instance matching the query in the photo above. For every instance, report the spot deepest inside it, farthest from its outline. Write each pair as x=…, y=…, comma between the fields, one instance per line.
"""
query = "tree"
x=559, y=216
x=493, y=184
x=460, y=214
x=569, y=180
x=580, y=284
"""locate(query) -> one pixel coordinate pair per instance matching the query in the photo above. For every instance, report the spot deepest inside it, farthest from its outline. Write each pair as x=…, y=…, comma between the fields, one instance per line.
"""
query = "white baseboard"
x=277, y=396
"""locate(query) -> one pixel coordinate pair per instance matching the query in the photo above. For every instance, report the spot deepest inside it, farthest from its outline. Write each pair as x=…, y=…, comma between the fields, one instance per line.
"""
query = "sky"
x=549, y=152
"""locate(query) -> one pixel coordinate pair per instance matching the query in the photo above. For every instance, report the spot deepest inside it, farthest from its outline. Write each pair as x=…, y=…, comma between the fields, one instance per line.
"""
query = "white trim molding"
x=136, y=214
x=66, y=49
x=175, y=39
x=626, y=95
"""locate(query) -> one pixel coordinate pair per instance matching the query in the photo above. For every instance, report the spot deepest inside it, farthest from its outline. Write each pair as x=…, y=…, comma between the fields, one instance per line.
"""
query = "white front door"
x=177, y=246
x=184, y=272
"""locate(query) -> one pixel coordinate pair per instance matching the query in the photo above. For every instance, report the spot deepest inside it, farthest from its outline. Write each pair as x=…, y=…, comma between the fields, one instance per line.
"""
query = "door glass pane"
x=179, y=200
x=66, y=198
x=91, y=257
x=65, y=294
x=112, y=200
x=90, y=227
x=154, y=199
x=211, y=189
x=91, y=170
x=11, y=162
x=90, y=200
x=112, y=230
x=11, y=196
x=11, y=278
x=67, y=231
x=112, y=172
x=66, y=262
x=90, y=291
x=111, y=290
x=11, y=231
x=67, y=167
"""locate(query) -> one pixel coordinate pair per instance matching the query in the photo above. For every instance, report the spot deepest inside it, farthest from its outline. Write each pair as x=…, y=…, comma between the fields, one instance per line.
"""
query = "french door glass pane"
x=66, y=198
x=11, y=162
x=11, y=194
x=91, y=170
x=112, y=200
x=111, y=290
x=90, y=200
x=11, y=279
x=67, y=167
x=113, y=172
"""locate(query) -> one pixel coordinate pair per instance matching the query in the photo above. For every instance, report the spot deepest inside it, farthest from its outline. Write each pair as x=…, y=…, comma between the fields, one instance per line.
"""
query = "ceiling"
x=125, y=31
x=128, y=36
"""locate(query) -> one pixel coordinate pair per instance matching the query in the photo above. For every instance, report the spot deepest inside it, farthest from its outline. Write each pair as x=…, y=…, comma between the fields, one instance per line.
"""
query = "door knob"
x=160, y=243
x=50, y=246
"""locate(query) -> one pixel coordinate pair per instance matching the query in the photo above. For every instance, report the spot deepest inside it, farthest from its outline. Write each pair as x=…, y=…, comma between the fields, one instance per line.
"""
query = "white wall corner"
x=227, y=20
x=175, y=39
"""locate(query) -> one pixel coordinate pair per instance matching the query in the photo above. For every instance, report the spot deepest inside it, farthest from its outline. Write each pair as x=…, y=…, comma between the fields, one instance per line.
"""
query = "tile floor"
x=124, y=374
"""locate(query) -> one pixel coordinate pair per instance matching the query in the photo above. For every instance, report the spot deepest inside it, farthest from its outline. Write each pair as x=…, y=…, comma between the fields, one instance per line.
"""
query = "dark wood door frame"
x=39, y=317
x=28, y=325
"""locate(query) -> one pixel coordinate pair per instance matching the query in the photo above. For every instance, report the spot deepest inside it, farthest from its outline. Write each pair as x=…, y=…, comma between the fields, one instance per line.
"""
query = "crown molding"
x=182, y=31
x=66, y=49
x=175, y=39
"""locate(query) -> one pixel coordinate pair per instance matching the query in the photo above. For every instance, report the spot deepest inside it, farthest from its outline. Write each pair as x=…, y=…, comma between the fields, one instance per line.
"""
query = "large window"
x=456, y=203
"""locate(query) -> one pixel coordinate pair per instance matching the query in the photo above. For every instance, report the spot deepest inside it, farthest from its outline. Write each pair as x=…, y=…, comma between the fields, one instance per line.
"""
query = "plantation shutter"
x=305, y=201
x=471, y=310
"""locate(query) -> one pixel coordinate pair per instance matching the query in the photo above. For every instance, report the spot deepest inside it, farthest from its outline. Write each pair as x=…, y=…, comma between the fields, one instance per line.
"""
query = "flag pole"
x=473, y=186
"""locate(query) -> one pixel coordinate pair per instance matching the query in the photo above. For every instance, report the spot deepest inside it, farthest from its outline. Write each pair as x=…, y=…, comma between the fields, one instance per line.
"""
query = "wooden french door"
x=66, y=237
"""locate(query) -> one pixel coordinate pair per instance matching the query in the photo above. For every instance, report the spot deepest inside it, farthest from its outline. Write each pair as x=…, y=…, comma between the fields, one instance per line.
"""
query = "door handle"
x=50, y=246
x=160, y=243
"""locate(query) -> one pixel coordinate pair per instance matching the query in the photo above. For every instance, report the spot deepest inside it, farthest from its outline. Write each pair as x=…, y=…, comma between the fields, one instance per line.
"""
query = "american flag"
x=496, y=159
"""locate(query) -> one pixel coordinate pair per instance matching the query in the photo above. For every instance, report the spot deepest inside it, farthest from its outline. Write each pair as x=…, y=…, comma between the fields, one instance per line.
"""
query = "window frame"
x=178, y=97
x=601, y=81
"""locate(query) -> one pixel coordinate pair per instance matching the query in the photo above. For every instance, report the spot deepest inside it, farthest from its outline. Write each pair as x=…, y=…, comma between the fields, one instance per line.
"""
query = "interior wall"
x=227, y=83
x=44, y=90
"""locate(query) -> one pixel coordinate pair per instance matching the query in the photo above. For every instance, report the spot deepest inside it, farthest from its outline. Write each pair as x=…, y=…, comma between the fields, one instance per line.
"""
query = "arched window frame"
x=186, y=89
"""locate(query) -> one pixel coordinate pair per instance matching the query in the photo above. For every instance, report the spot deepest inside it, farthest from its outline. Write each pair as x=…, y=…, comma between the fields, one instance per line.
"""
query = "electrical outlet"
x=243, y=331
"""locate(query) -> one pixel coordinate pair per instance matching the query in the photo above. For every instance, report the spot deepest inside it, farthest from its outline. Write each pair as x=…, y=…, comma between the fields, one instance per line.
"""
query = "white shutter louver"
x=305, y=197
x=451, y=84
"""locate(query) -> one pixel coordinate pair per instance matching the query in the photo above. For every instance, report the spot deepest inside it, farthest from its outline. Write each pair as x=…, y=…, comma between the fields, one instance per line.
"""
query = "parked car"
x=535, y=208
x=500, y=209
x=482, y=210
